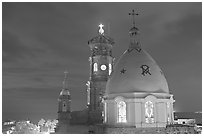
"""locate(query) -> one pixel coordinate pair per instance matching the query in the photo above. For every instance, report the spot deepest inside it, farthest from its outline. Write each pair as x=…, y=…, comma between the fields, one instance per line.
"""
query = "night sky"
x=42, y=40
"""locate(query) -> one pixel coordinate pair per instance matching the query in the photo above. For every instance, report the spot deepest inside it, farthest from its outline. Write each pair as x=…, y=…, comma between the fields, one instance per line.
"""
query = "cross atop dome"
x=133, y=16
x=134, y=31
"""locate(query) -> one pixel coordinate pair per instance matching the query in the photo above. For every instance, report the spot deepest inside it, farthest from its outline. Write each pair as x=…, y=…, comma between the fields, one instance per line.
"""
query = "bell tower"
x=101, y=66
x=64, y=102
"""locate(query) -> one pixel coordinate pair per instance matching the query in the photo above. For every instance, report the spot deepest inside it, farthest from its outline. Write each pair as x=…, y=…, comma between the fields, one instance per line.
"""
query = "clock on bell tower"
x=101, y=63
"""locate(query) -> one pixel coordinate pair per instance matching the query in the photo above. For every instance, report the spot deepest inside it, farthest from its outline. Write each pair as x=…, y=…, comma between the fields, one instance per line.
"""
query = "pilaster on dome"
x=102, y=37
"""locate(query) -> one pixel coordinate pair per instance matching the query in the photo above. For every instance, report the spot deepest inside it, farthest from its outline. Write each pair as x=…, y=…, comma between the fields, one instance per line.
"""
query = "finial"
x=65, y=80
x=133, y=16
x=65, y=74
x=101, y=31
x=134, y=31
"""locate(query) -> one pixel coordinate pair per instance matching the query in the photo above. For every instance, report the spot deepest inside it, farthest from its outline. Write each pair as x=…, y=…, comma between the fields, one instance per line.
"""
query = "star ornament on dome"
x=123, y=71
x=101, y=31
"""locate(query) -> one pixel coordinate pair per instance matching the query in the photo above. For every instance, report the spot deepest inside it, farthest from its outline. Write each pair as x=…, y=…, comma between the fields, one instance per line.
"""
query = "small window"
x=95, y=67
x=110, y=69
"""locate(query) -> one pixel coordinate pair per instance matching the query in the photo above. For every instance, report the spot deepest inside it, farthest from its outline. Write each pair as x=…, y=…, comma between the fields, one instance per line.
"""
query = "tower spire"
x=65, y=86
x=133, y=16
x=134, y=32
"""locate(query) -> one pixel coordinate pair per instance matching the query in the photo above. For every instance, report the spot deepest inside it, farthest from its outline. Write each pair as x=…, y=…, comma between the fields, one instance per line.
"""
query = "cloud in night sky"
x=42, y=40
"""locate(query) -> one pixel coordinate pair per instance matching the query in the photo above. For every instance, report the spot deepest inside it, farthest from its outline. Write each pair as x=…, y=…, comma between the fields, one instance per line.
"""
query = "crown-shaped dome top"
x=134, y=31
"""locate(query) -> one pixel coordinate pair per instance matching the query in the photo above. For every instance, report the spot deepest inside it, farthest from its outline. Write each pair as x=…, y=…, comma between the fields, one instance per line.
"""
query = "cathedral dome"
x=136, y=71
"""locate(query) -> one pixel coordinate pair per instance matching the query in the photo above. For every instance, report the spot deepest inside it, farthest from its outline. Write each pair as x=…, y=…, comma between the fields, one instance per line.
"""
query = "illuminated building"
x=140, y=85
x=131, y=93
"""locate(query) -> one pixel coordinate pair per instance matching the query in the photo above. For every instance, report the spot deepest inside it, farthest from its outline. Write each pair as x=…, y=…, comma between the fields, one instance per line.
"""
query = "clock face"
x=103, y=67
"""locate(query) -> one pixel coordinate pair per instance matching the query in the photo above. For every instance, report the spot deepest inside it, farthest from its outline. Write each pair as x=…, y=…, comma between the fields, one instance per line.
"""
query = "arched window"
x=121, y=111
x=110, y=69
x=95, y=67
x=149, y=112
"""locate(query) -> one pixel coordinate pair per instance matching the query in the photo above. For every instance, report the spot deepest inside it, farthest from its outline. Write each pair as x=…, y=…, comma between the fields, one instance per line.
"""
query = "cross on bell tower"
x=101, y=31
